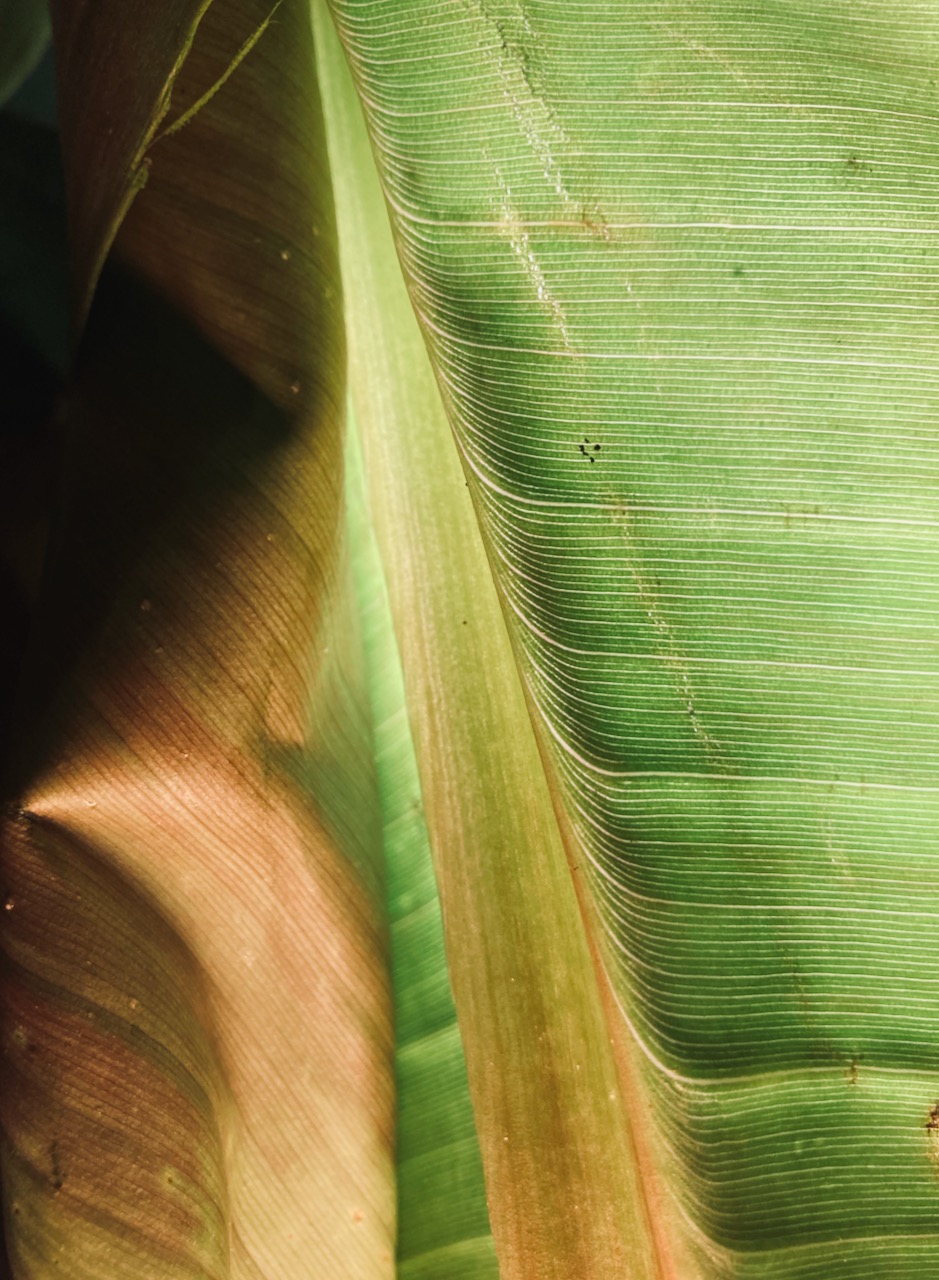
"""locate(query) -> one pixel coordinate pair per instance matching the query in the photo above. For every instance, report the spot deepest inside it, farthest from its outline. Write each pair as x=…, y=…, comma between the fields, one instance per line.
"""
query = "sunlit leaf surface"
x=443, y=1223
x=676, y=265
x=560, y=1170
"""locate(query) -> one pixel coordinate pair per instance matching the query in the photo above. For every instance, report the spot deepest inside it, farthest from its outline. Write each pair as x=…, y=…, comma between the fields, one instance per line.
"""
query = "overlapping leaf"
x=197, y=1024
x=443, y=1223
x=563, y=1192
x=676, y=266
x=676, y=269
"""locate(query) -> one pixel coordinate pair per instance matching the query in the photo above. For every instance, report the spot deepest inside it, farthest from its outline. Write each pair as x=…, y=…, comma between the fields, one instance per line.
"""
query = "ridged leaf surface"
x=676, y=266
x=561, y=1178
x=197, y=1024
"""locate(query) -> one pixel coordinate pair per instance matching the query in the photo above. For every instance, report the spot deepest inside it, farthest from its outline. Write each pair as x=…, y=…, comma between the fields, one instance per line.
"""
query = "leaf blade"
x=560, y=1170
x=443, y=1223
x=198, y=717
x=672, y=269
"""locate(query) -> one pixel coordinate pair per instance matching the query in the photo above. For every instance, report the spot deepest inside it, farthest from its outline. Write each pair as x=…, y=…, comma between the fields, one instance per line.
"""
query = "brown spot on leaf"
x=932, y=1134
x=58, y=1177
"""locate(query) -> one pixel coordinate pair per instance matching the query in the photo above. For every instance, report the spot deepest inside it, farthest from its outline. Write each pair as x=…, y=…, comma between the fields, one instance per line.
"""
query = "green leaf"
x=24, y=34
x=443, y=1222
x=560, y=1169
x=676, y=269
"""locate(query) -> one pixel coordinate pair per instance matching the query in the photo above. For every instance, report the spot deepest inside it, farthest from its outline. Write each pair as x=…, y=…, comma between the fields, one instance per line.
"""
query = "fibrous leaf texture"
x=624, y=621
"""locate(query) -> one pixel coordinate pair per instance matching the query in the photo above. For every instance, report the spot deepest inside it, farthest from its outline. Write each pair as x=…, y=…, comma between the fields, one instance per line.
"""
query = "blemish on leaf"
x=932, y=1133
x=58, y=1177
x=854, y=164
x=649, y=598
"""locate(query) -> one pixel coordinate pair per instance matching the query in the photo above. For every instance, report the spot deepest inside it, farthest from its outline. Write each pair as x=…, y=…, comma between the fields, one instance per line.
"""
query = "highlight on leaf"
x=468, y=688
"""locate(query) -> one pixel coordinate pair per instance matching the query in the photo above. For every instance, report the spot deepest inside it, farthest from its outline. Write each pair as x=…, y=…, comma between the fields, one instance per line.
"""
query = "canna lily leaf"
x=663, y=721
x=110, y=120
x=675, y=267
x=560, y=1170
x=442, y=1219
x=197, y=1022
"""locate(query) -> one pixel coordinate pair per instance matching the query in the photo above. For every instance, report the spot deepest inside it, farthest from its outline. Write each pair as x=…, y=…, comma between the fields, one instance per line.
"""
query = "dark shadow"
x=35, y=99
x=33, y=241
x=160, y=430
x=33, y=354
x=33, y=351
